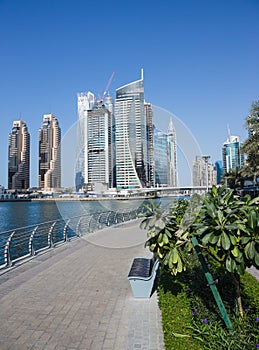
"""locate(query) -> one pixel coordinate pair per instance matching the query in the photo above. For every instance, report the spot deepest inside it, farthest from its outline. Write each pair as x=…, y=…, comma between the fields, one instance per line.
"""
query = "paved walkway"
x=77, y=296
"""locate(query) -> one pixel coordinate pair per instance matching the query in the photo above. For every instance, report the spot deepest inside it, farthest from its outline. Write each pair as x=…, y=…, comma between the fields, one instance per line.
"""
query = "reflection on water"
x=20, y=214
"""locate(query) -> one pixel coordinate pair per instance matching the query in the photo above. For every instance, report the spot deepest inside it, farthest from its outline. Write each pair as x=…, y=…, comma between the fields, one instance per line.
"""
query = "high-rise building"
x=219, y=170
x=95, y=143
x=161, y=158
x=165, y=157
x=85, y=102
x=232, y=157
x=49, y=153
x=203, y=171
x=131, y=136
x=98, y=155
x=172, y=156
x=19, y=157
x=150, y=143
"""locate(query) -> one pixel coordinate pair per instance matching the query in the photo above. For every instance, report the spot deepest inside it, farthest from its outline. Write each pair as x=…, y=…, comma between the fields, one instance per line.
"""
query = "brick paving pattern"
x=77, y=296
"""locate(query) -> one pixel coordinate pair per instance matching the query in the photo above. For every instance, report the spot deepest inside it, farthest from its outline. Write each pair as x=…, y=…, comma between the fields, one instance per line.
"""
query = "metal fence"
x=27, y=241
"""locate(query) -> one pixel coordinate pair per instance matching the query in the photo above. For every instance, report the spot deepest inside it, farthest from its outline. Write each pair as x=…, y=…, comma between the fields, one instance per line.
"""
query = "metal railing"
x=27, y=241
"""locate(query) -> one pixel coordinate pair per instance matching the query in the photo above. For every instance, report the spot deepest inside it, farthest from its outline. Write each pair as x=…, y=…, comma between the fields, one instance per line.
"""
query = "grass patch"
x=191, y=319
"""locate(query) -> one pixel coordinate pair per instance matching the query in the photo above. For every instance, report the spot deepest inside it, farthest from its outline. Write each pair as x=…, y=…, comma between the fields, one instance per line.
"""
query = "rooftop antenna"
x=228, y=129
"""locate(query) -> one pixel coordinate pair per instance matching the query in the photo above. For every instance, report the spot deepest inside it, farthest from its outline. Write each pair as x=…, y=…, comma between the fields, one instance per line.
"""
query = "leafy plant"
x=227, y=229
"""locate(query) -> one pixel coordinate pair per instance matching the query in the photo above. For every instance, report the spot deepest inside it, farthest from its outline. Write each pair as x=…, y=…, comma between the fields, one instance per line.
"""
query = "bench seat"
x=142, y=276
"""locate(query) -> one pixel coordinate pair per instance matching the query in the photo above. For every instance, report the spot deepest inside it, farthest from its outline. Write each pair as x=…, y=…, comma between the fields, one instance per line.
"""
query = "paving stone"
x=77, y=296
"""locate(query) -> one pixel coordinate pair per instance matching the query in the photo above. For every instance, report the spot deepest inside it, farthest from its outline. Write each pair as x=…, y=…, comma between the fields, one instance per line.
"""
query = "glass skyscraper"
x=161, y=158
x=49, y=153
x=131, y=136
x=232, y=157
x=19, y=157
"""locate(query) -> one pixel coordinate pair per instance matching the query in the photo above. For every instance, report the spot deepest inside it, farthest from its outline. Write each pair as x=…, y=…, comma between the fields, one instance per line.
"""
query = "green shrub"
x=250, y=290
x=190, y=316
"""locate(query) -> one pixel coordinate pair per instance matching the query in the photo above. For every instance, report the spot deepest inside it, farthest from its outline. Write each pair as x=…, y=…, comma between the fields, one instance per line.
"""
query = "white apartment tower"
x=95, y=142
x=131, y=136
x=19, y=157
x=49, y=154
x=172, y=156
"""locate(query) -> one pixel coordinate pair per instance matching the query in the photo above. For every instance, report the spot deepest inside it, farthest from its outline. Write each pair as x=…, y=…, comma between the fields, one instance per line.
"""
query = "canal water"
x=21, y=214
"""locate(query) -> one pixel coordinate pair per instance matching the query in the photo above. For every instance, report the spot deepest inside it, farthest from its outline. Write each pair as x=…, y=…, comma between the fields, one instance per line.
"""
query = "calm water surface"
x=20, y=214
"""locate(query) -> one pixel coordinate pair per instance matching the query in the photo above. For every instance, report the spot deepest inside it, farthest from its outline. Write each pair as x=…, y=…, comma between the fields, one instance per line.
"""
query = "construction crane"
x=101, y=98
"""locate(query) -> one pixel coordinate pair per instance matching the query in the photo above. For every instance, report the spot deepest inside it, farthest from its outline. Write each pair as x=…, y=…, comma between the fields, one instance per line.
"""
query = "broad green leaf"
x=225, y=241
x=206, y=238
x=233, y=239
x=240, y=269
x=245, y=240
x=235, y=251
x=214, y=239
x=180, y=266
x=251, y=250
x=160, y=224
x=252, y=219
x=230, y=264
x=175, y=256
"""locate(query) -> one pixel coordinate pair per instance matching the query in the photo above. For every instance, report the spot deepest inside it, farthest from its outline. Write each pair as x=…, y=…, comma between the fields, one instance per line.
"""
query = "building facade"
x=150, y=144
x=85, y=102
x=98, y=155
x=49, y=177
x=165, y=157
x=172, y=156
x=161, y=158
x=19, y=157
x=232, y=158
x=131, y=136
x=95, y=161
x=203, y=172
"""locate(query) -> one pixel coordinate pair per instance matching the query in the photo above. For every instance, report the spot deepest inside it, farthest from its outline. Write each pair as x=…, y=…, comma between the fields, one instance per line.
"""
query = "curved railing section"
x=27, y=241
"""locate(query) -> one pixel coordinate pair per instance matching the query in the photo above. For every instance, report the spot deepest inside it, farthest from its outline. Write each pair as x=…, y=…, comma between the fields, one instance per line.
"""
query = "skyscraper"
x=131, y=136
x=49, y=153
x=172, y=156
x=95, y=143
x=232, y=157
x=150, y=143
x=19, y=157
x=161, y=158
x=85, y=102
x=201, y=173
x=98, y=140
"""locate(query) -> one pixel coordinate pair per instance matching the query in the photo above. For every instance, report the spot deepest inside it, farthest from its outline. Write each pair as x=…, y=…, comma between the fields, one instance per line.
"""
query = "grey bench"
x=142, y=276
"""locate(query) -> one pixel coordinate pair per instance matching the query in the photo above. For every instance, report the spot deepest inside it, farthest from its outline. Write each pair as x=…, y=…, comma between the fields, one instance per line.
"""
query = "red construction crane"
x=106, y=88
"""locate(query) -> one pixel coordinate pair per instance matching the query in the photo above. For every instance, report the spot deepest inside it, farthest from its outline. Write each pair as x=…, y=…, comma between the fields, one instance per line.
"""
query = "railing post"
x=89, y=227
x=7, y=255
x=116, y=217
x=78, y=233
x=108, y=217
x=50, y=237
x=31, y=245
x=65, y=230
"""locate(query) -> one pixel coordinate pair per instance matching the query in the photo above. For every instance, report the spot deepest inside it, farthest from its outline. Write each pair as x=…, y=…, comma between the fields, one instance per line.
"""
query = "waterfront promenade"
x=77, y=296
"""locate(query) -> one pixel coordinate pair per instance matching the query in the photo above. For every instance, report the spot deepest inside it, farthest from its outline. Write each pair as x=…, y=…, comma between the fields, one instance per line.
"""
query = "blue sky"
x=200, y=61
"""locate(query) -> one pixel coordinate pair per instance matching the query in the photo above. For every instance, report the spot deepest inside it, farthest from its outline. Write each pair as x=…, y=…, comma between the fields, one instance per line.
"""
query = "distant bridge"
x=169, y=191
